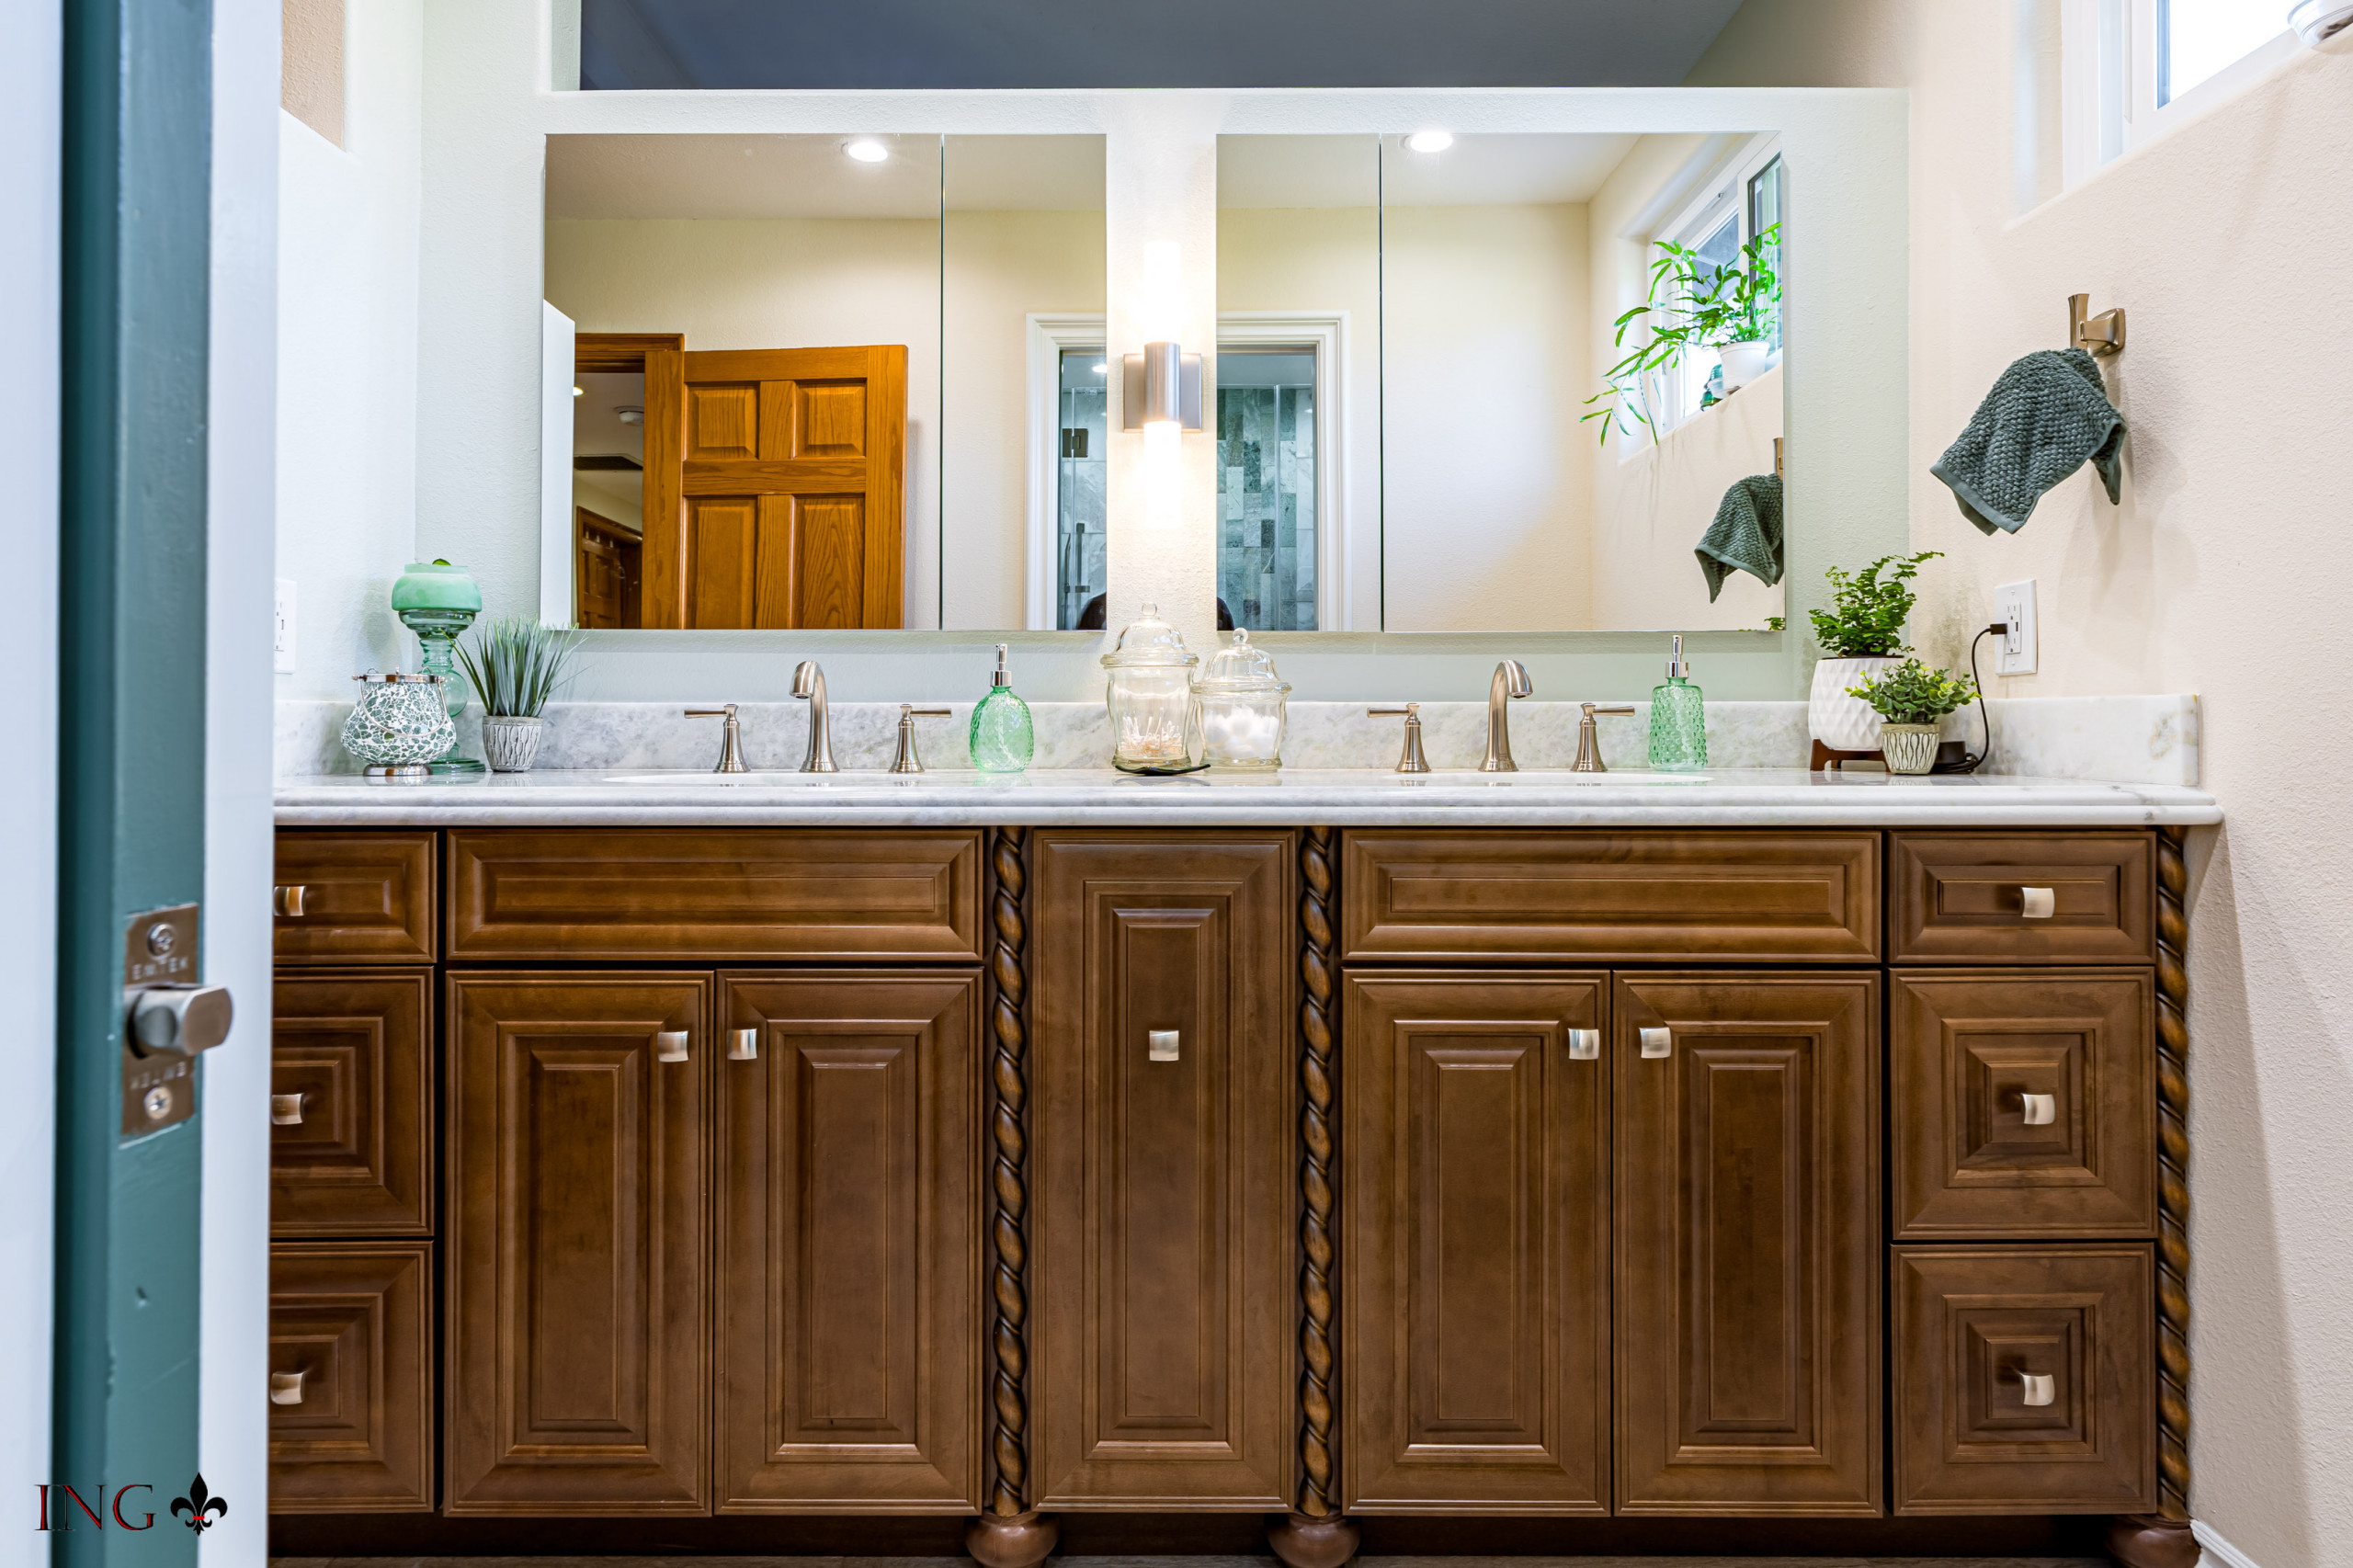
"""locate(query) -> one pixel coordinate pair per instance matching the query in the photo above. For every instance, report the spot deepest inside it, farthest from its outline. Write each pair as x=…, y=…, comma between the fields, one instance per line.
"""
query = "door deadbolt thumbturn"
x=180, y=1019
x=169, y=1015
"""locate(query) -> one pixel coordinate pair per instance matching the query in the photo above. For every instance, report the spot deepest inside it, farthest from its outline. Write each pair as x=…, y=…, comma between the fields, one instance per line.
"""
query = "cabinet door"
x=350, y=1378
x=1476, y=1233
x=351, y=1104
x=578, y=1377
x=848, y=1272
x=1747, y=1234
x=1165, y=1275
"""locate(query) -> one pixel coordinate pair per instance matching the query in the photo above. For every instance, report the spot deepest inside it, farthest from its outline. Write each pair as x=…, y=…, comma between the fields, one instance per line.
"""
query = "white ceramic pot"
x=1743, y=362
x=1909, y=748
x=510, y=743
x=1840, y=721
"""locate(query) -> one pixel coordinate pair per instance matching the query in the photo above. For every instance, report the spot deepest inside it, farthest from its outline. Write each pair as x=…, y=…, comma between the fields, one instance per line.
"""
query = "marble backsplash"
x=2125, y=740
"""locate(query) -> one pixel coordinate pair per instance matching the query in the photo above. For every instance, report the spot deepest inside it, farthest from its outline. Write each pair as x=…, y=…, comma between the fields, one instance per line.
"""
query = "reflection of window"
x=1266, y=485
x=1741, y=202
x=1080, y=572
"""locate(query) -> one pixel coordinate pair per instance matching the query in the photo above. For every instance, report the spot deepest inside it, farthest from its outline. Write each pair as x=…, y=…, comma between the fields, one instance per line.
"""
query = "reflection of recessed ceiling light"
x=1429, y=141
x=630, y=414
x=1099, y=370
x=580, y=391
x=866, y=150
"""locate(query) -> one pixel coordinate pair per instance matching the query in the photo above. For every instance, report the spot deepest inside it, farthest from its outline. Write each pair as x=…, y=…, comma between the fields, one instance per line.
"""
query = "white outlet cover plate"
x=2014, y=603
x=281, y=643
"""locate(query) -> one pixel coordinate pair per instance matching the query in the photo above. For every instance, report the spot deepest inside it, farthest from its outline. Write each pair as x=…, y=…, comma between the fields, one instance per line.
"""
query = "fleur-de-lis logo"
x=200, y=1507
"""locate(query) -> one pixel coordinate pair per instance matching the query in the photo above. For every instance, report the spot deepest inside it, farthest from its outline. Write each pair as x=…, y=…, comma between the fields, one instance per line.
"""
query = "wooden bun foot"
x=1303, y=1542
x=2144, y=1541
x=1020, y=1541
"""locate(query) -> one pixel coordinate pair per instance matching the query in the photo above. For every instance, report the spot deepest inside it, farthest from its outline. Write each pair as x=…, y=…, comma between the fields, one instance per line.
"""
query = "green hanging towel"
x=1746, y=535
x=2045, y=416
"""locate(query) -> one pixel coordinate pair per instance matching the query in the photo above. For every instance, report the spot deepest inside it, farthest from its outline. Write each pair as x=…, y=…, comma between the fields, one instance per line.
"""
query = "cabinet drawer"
x=2025, y=1103
x=1411, y=896
x=2025, y=1380
x=351, y=1105
x=364, y=897
x=741, y=894
x=1964, y=897
x=351, y=1382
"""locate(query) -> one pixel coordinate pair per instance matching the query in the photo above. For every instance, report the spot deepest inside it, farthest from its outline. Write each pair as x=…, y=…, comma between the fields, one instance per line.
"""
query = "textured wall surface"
x=2226, y=243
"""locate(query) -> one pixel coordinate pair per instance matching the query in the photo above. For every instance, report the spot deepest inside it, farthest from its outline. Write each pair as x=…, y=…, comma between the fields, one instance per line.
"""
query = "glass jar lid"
x=395, y=678
x=1150, y=640
x=1238, y=666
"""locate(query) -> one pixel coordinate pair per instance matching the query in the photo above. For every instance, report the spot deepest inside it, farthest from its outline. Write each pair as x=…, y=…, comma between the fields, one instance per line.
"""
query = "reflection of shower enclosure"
x=1079, y=569
x=1266, y=486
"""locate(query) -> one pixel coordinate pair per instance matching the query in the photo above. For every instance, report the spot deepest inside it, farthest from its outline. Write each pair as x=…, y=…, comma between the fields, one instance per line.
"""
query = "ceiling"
x=811, y=177
x=649, y=44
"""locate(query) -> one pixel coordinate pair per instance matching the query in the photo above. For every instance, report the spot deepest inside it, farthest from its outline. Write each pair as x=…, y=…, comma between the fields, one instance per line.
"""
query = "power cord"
x=1971, y=764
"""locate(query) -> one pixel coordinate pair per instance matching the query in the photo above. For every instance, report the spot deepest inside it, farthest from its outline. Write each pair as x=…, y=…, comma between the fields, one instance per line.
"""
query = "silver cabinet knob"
x=180, y=1019
x=1584, y=1045
x=670, y=1045
x=2037, y=1110
x=286, y=1110
x=1657, y=1042
x=742, y=1045
x=2034, y=1388
x=1160, y=1045
x=287, y=901
x=2038, y=903
x=286, y=1388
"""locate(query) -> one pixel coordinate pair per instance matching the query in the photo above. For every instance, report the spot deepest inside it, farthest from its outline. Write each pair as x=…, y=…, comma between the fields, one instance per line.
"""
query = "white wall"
x=2226, y=242
x=346, y=330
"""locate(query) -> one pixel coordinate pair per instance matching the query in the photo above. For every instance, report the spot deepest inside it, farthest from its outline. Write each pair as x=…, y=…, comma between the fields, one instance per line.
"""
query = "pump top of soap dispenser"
x=1677, y=668
x=1004, y=676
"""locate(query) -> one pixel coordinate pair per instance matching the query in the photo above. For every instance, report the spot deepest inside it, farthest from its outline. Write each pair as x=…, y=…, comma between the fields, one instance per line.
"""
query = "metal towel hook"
x=2102, y=334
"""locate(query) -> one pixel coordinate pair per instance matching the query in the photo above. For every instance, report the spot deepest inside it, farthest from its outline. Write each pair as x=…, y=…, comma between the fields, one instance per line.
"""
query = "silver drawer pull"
x=1584, y=1045
x=286, y=1110
x=2034, y=1388
x=288, y=900
x=1160, y=1045
x=2038, y=903
x=2037, y=1110
x=742, y=1045
x=1658, y=1043
x=285, y=1387
x=670, y=1045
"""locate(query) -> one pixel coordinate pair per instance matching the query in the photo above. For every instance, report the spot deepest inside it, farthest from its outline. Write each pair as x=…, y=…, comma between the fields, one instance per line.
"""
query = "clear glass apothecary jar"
x=399, y=724
x=1241, y=702
x=1150, y=694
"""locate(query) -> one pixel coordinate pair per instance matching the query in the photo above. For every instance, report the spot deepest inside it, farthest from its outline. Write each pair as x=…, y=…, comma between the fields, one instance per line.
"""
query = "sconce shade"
x=1161, y=384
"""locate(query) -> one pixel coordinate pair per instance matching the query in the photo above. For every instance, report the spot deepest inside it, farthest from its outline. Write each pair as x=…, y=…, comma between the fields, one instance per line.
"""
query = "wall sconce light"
x=1163, y=385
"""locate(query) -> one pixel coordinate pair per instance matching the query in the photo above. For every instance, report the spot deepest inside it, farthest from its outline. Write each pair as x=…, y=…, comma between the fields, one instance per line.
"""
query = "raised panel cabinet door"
x=1748, y=1243
x=350, y=1104
x=2025, y=1103
x=350, y=1378
x=847, y=1332
x=1165, y=1158
x=1475, y=1237
x=578, y=1370
x=2025, y=1380
x=358, y=897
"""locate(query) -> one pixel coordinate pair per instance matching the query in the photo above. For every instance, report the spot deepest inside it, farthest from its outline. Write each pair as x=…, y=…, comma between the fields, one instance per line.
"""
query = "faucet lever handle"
x=907, y=761
x=730, y=742
x=1589, y=736
x=1410, y=759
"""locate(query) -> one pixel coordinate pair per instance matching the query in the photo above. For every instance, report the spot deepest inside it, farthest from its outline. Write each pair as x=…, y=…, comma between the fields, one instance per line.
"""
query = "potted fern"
x=1862, y=635
x=517, y=666
x=1911, y=701
x=1693, y=306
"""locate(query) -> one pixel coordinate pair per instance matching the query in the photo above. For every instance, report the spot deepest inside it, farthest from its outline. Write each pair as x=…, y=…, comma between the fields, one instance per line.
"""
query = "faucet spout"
x=1511, y=680
x=809, y=685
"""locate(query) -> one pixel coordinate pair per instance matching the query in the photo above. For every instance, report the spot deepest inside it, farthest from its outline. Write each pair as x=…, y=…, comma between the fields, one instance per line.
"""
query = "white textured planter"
x=1909, y=748
x=1840, y=721
x=510, y=743
x=1743, y=363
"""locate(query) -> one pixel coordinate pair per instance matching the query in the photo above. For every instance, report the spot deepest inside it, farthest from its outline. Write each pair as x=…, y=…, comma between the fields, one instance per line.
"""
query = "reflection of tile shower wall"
x=1080, y=572
x=1266, y=490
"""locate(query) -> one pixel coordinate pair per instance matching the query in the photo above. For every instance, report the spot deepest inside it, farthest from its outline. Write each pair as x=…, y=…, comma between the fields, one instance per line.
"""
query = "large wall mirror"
x=814, y=380
x=1500, y=382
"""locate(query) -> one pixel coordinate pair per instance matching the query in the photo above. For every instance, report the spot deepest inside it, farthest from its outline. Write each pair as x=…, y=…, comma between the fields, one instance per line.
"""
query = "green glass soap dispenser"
x=1003, y=738
x=1678, y=720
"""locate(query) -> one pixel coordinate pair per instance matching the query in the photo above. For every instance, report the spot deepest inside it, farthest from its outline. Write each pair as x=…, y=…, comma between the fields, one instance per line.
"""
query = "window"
x=1741, y=202
x=2133, y=69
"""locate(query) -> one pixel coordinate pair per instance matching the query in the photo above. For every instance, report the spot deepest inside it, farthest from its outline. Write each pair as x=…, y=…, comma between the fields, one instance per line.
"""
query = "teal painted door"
x=131, y=834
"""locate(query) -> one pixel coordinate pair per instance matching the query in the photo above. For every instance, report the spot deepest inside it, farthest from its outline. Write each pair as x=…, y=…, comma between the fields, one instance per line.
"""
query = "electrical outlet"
x=281, y=645
x=2014, y=603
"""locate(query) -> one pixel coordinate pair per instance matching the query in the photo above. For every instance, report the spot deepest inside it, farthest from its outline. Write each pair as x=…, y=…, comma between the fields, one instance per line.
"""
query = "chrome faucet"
x=809, y=684
x=1511, y=680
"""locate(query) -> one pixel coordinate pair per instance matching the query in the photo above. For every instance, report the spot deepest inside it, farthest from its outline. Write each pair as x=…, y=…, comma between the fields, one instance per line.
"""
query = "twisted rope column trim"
x=1315, y=1017
x=2173, y=1179
x=1008, y=1070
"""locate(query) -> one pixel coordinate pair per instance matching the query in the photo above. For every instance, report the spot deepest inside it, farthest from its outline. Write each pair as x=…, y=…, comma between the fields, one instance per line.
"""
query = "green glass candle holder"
x=437, y=601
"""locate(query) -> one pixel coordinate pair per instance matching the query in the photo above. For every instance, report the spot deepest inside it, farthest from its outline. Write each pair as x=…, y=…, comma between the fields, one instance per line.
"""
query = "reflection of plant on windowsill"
x=1692, y=305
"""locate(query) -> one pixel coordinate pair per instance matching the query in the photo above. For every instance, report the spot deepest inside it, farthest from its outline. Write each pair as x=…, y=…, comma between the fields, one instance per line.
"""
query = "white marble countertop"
x=1290, y=797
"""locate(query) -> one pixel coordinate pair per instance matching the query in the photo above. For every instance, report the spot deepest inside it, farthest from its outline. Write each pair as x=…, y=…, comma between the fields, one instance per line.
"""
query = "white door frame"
x=1049, y=332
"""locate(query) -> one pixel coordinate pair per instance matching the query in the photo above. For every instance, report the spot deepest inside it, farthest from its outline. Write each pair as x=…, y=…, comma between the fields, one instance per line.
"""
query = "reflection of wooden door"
x=1476, y=1252
x=1749, y=1248
x=606, y=567
x=795, y=464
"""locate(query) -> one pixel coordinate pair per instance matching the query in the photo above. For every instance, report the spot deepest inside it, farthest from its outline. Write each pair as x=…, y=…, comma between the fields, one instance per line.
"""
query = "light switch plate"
x=2014, y=603
x=281, y=645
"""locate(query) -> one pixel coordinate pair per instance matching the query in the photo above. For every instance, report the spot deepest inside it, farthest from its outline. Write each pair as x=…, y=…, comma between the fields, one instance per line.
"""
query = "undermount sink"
x=1370, y=777
x=1550, y=776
